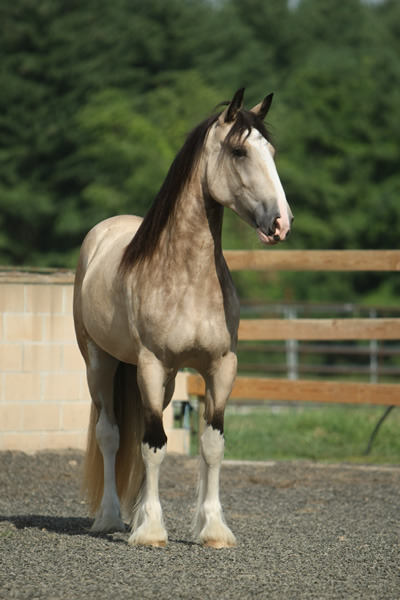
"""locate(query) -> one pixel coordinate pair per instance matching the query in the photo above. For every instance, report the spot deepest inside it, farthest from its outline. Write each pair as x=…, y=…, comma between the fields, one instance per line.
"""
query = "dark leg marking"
x=154, y=434
x=217, y=422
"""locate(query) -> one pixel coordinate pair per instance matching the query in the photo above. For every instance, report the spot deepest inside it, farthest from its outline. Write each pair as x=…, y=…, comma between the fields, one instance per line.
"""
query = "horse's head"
x=241, y=172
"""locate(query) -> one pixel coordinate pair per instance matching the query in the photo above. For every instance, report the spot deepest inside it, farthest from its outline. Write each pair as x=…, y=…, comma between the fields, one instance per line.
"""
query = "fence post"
x=373, y=353
x=201, y=424
x=292, y=348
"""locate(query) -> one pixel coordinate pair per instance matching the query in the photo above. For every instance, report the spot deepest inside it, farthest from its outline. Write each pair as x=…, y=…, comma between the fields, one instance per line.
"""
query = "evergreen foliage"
x=96, y=98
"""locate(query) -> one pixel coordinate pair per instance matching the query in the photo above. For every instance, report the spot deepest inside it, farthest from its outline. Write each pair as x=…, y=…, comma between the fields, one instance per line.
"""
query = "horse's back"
x=113, y=233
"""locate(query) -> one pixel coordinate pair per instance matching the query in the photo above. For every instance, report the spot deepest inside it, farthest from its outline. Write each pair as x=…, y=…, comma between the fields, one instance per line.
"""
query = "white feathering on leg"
x=210, y=527
x=148, y=524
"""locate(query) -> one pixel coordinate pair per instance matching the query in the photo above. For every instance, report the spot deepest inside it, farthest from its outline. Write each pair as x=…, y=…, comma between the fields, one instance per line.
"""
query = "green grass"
x=332, y=433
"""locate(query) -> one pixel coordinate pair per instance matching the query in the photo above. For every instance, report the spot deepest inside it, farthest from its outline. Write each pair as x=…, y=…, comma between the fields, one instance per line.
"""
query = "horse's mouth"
x=267, y=240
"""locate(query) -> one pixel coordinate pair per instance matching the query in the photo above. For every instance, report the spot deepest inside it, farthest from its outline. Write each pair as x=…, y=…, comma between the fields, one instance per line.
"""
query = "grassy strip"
x=328, y=433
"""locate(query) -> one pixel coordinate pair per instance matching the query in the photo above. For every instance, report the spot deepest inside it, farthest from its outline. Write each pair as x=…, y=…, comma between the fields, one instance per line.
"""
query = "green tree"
x=55, y=58
x=96, y=98
x=341, y=144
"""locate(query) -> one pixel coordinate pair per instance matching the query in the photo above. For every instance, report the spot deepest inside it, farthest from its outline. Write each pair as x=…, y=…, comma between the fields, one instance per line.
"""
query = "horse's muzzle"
x=278, y=231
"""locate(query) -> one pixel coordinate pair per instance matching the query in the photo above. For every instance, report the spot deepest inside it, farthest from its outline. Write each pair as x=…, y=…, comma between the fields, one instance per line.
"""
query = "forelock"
x=244, y=123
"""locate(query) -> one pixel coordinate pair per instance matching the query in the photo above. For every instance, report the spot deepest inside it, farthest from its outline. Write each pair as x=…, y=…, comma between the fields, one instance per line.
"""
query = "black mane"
x=145, y=241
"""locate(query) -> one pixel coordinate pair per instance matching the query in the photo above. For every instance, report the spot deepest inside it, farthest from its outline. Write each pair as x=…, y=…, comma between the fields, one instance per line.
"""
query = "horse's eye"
x=239, y=152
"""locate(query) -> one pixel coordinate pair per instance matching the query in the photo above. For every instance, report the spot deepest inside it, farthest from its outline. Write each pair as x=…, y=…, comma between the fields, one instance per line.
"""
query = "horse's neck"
x=193, y=236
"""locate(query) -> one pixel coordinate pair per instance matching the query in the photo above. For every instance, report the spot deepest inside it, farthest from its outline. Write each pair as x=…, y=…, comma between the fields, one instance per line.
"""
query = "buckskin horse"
x=155, y=295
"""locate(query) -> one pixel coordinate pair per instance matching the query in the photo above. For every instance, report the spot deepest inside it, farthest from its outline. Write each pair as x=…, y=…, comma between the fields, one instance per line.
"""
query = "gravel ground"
x=304, y=530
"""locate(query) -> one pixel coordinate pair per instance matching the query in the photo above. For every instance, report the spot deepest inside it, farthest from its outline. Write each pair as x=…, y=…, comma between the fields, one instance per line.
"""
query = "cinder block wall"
x=44, y=400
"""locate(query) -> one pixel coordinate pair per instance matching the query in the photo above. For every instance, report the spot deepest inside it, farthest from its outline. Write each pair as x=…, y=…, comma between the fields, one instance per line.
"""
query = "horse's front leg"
x=147, y=524
x=210, y=527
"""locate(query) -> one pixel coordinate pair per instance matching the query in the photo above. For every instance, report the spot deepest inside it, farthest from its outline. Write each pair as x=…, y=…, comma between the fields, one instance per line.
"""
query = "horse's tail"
x=129, y=465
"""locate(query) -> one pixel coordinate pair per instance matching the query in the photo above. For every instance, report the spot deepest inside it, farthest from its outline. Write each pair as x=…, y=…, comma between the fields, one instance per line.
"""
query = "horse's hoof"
x=217, y=535
x=143, y=540
x=219, y=544
x=154, y=544
x=160, y=544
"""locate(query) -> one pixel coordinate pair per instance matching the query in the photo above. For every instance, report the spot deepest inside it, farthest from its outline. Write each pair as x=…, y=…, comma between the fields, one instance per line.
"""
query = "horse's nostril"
x=277, y=238
x=273, y=227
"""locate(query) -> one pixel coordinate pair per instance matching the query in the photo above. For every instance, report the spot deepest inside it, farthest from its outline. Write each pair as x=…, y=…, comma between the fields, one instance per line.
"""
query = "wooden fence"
x=262, y=388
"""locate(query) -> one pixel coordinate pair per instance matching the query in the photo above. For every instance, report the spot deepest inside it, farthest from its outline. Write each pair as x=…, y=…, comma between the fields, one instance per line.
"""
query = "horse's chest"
x=201, y=331
x=192, y=323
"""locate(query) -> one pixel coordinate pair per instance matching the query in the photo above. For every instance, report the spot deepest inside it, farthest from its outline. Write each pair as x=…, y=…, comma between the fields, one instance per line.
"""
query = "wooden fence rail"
x=256, y=388
x=259, y=388
x=319, y=329
x=313, y=260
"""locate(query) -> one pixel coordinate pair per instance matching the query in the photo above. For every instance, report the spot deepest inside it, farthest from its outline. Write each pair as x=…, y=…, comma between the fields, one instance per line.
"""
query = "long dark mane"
x=144, y=242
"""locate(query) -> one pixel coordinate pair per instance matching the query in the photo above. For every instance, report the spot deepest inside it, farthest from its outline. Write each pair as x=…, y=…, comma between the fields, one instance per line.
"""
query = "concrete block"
x=83, y=388
x=58, y=440
x=68, y=294
x=42, y=357
x=61, y=386
x=59, y=328
x=75, y=415
x=12, y=298
x=178, y=441
x=10, y=417
x=23, y=441
x=23, y=327
x=41, y=417
x=44, y=298
x=22, y=387
x=71, y=358
x=11, y=357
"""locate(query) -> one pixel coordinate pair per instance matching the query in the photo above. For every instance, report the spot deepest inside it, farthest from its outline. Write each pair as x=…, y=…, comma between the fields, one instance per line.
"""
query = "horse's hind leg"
x=209, y=526
x=148, y=527
x=101, y=369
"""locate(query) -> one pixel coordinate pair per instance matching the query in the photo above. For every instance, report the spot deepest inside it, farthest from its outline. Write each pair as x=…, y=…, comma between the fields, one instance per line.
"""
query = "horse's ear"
x=234, y=106
x=261, y=110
